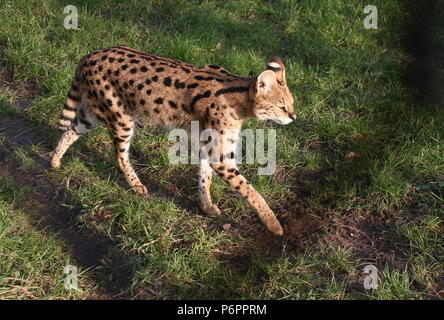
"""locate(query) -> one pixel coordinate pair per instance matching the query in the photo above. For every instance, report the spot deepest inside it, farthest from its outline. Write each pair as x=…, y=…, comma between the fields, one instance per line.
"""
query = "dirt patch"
x=369, y=234
x=302, y=227
x=237, y=263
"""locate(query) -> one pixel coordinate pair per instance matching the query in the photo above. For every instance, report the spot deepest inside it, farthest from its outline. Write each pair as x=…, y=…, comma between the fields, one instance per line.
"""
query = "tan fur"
x=117, y=86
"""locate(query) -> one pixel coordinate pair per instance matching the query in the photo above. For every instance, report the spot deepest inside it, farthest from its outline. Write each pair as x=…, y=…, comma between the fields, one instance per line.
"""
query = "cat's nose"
x=292, y=115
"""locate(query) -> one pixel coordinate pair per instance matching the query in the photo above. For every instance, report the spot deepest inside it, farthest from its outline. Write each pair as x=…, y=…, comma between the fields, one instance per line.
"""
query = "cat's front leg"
x=229, y=173
x=205, y=178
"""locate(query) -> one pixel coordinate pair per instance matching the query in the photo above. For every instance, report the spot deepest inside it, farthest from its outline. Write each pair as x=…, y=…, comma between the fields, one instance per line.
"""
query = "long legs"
x=226, y=169
x=85, y=122
x=122, y=140
x=205, y=177
x=121, y=132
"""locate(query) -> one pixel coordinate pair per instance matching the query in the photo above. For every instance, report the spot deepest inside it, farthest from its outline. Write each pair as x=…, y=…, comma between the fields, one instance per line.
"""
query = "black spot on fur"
x=178, y=84
x=231, y=90
x=197, y=97
x=158, y=100
x=167, y=81
x=172, y=104
x=70, y=96
x=65, y=106
x=192, y=85
x=203, y=78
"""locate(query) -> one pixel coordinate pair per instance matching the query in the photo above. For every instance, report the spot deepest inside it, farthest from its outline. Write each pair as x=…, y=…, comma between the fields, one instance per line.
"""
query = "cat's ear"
x=277, y=66
x=265, y=82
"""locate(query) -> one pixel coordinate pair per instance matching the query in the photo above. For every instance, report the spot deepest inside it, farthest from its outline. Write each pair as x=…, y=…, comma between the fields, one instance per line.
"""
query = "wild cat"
x=117, y=85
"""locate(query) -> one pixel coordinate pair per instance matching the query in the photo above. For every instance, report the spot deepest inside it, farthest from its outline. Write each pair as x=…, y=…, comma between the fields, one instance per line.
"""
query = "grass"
x=360, y=175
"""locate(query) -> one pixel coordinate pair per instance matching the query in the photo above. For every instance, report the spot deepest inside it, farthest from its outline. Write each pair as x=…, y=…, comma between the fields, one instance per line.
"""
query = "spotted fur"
x=119, y=85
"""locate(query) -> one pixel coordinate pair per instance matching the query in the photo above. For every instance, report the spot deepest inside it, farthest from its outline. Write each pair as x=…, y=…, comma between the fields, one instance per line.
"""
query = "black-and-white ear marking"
x=273, y=66
x=277, y=65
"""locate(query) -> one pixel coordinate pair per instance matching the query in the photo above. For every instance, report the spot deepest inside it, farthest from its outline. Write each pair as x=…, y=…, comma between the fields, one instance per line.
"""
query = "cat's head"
x=272, y=100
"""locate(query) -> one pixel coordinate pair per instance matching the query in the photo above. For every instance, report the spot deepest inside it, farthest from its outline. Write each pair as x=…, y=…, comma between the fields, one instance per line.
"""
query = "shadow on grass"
x=425, y=74
x=51, y=211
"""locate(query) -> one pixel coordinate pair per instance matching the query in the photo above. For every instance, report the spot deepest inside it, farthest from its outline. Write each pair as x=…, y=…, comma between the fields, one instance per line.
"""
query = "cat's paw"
x=55, y=162
x=140, y=189
x=212, y=210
